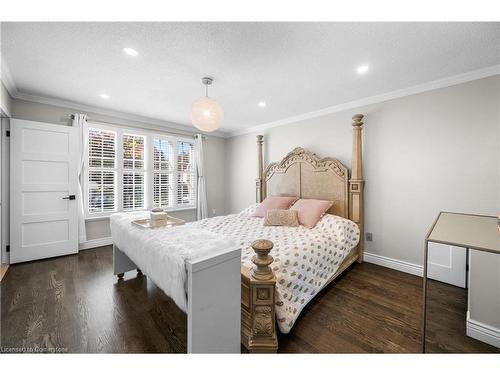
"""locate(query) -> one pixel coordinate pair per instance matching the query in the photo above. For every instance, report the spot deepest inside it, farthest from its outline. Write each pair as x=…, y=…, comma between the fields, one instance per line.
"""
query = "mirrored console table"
x=476, y=232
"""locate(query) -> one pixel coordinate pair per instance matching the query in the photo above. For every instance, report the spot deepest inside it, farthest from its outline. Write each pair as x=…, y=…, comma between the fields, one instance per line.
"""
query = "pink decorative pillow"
x=311, y=210
x=270, y=203
x=282, y=218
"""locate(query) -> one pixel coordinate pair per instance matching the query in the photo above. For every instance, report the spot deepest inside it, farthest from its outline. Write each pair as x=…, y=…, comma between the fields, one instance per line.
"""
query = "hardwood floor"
x=75, y=304
x=377, y=309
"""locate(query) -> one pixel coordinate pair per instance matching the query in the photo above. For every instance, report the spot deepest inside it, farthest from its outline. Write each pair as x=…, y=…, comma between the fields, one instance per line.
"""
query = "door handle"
x=70, y=197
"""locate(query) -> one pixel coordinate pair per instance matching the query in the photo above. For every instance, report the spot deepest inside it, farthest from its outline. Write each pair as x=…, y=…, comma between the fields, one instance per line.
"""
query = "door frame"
x=5, y=188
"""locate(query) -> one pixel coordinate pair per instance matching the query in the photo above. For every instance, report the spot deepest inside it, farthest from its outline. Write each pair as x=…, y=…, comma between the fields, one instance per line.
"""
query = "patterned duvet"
x=304, y=259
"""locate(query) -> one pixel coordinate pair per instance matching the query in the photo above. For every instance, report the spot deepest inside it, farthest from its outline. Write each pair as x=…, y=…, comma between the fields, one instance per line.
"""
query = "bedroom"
x=249, y=187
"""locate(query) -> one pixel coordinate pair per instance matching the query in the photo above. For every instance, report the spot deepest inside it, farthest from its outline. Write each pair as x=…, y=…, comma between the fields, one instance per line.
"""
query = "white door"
x=43, y=188
x=447, y=264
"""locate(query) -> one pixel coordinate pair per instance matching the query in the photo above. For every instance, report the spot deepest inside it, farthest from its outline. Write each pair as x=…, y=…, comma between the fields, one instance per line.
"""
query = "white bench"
x=214, y=299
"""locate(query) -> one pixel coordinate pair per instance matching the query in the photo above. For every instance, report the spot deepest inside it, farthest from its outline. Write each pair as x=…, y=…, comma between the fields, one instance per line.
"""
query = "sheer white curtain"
x=202, y=208
x=79, y=120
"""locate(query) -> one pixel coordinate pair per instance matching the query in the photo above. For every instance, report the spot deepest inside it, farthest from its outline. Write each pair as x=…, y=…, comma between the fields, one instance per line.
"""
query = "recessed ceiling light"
x=262, y=104
x=104, y=96
x=362, y=69
x=130, y=51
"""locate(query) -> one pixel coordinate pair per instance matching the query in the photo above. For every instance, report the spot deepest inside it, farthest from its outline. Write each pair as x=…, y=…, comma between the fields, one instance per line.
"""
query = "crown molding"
x=6, y=78
x=112, y=113
x=417, y=89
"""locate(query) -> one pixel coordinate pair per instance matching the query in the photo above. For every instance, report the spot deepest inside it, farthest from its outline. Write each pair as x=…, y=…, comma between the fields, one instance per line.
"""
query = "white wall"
x=214, y=155
x=424, y=153
x=484, y=289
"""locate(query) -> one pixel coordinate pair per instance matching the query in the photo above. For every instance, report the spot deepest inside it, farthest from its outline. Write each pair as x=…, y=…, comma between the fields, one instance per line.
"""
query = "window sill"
x=105, y=217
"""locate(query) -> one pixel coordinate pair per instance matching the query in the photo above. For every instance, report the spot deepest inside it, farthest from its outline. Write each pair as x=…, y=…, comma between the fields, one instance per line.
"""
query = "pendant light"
x=206, y=114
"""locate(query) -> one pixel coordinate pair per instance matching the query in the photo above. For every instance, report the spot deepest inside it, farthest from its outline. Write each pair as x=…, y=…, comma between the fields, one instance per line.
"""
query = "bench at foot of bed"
x=213, y=299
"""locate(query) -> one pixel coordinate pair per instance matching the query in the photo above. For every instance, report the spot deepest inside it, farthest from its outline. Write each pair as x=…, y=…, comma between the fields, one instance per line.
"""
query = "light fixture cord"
x=206, y=90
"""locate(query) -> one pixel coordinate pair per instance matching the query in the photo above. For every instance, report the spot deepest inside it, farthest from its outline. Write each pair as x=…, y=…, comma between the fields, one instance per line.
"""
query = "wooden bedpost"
x=262, y=337
x=356, y=183
x=260, y=180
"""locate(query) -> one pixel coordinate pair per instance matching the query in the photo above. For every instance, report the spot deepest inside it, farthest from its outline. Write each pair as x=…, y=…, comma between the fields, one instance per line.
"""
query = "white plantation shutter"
x=174, y=182
x=163, y=170
x=102, y=148
x=162, y=190
x=102, y=172
x=133, y=171
x=185, y=156
x=138, y=170
x=186, y=181
x=101, y=191
x=186, y=189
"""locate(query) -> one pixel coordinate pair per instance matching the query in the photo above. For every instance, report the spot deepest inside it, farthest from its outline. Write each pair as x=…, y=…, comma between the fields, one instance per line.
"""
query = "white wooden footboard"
x=214, y=303
x=214, y=300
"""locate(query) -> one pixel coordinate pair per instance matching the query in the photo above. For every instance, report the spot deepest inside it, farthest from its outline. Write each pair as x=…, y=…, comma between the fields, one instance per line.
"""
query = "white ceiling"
x=294, y=67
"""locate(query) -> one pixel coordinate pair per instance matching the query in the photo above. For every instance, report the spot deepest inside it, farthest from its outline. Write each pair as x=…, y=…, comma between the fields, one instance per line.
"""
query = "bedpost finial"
x=260, y=139
x=262, y=259
x=357, y=119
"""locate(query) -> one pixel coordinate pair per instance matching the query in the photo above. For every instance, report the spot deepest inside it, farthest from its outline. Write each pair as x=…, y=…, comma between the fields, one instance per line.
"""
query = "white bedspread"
x=304, y=259
x=162, y=253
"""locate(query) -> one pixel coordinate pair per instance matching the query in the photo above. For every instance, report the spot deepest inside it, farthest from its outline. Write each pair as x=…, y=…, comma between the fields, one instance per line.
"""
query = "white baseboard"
x=399, y=265
x=483, y=332
x=90, y=244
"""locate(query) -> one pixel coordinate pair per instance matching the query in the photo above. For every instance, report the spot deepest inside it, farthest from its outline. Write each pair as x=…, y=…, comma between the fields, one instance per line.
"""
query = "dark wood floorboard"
x=75, y=304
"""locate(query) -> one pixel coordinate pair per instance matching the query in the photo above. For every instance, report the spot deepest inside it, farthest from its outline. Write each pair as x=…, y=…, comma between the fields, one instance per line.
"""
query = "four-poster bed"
x=273, y=291
x=304, y=175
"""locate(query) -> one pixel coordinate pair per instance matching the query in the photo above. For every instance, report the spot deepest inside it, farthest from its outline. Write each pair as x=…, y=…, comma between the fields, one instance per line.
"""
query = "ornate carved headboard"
x=303, y=174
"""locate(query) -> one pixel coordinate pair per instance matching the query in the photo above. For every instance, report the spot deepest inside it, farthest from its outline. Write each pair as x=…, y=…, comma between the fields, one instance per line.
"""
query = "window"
x=133, y=172
x=138, y=170
x=174, y=176
x=101, y=171
x=163, y=172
